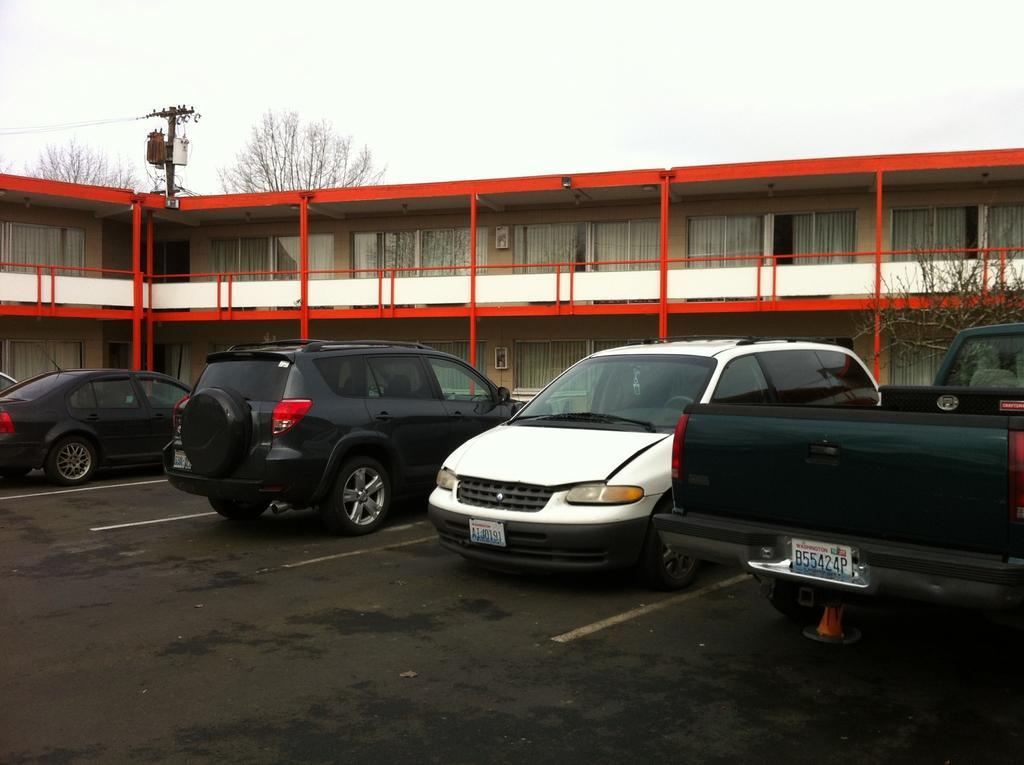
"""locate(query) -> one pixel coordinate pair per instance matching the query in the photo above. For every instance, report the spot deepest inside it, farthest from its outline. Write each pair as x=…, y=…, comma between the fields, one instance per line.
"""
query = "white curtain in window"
x=225, y=255
x=950, y=230
x=365, y=254
x=1006, y=229
x=321, y=255
x=32, y=357
x=254, y=255
x=557, y=243
x=611, y=242
x=913, y=366
x=835, y=232
x=446, y=248
x=645, y=243
x=725, y=236
x=803, y=237
x=537, y=363
x=911, y=230
x=400, y=251
x=46, y=246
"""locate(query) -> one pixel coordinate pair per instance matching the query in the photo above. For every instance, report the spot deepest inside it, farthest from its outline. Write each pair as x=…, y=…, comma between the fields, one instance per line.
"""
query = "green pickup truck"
x=921, y=498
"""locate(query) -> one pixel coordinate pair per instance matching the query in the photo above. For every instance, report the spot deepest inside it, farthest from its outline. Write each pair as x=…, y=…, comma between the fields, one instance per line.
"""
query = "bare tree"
x=922, y=309
x=283, y=154
x=75, y=163
x=5, y=164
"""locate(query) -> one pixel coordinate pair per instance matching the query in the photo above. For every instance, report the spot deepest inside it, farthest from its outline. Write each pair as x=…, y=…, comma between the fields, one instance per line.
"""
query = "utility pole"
x=174, y=115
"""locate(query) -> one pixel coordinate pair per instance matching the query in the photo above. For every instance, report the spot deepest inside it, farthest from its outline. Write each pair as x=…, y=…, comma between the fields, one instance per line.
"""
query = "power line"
x=25, y=129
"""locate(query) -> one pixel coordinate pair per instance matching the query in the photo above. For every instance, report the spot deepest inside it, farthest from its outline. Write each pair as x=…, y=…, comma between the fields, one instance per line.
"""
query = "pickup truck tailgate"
x=926, y=478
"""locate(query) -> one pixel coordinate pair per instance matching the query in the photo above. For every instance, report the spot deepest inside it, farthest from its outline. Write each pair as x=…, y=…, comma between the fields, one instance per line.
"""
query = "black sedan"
x=70, y=423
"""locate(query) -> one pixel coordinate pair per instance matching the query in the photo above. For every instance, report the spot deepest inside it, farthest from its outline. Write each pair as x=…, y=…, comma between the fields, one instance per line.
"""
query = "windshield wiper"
x=590, y=417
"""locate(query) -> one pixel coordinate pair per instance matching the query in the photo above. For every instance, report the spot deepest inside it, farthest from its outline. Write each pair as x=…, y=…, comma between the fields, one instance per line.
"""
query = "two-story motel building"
x=522, y=276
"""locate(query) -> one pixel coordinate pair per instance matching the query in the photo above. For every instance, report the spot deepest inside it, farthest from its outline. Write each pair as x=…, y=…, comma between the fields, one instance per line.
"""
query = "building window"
x=913, y=366
x=40, y=245
x=628, y=240
x=438, y=252
x=926, y=229
x=251, y=258
x=460, y=348
x=740, y=238
x=548, y=244
x=538, y=362
x=23, y=359
x=1005, y=228
x=814, y=233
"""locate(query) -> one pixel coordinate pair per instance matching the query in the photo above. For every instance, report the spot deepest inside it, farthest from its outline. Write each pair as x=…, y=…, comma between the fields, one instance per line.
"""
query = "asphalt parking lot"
x=137, y=626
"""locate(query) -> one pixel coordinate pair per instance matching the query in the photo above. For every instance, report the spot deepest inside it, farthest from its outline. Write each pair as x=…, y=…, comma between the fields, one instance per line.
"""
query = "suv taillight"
x=677, y=448
x=1015, y=473
x=6, y=423
x=288, y=412
x=176, y=416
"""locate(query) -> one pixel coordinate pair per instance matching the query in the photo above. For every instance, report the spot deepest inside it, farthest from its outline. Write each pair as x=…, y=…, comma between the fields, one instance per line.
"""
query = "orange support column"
x=149, y=279
x=472, y=280
x=304, y=266
x=878, y=274
x=137, y=279
x=663, y=265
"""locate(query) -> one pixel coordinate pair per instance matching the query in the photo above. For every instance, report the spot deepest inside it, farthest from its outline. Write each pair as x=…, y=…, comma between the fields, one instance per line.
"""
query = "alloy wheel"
x=363, y=496
x=73, y=461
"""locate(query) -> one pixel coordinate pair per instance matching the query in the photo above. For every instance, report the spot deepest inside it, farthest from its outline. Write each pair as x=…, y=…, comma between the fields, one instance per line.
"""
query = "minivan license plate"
x=181, y=460
x=823, y=560
x=487, y=532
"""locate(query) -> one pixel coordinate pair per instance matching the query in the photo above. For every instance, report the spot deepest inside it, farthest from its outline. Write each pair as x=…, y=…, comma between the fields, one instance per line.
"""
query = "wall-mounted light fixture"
x=28, y=202
x=771, y=189
x=648, y=188
x=984, y=178
x=566, y=181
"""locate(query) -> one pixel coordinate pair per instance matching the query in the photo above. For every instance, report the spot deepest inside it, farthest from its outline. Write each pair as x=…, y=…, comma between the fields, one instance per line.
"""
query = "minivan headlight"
x=603, y=494
x=445, y=479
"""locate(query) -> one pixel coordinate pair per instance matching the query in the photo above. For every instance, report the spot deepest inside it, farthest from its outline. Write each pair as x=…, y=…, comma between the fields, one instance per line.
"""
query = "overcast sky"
x=450, y=90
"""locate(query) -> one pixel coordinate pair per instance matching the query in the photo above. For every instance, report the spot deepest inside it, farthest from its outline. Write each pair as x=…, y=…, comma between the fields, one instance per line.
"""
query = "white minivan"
x=571, y=481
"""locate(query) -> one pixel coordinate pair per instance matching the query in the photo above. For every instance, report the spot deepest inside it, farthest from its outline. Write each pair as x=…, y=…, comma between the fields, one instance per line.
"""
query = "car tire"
x=784, y=597
x=14, y=472
x=239, y=511
x=71, y=461
x=360, y=498
x=662, y=569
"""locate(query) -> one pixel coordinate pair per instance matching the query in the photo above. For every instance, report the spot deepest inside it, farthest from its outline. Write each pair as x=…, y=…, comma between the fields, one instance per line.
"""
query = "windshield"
x=993, y=361
x=622, y=391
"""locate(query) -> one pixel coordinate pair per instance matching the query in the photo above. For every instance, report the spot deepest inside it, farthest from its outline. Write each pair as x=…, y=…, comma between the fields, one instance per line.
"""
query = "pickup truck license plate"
x=487, y=532
x=823, y=560
x=181, y=461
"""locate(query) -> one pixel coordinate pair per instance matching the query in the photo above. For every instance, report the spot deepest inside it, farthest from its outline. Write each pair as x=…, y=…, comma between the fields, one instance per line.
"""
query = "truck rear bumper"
x=916, y=572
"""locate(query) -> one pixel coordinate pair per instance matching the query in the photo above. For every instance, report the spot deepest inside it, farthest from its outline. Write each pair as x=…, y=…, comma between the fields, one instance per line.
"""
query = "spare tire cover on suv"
x=216, y=428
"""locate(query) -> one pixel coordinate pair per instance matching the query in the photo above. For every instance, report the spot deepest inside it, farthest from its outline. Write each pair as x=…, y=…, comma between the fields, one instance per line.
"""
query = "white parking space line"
x=611, y=621
x=350, y=553
x=405, y=526
x=85, y=488
x=146, y=523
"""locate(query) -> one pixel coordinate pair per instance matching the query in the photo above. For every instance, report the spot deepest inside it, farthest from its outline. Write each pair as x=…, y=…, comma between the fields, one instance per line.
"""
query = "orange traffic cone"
x=830, y=628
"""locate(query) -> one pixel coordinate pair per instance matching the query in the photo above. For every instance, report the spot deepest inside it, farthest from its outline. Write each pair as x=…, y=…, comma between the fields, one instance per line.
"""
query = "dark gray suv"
x=345, y=426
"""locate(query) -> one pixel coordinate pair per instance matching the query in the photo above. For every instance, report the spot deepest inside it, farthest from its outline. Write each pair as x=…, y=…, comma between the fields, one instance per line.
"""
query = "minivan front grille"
x=509, y=496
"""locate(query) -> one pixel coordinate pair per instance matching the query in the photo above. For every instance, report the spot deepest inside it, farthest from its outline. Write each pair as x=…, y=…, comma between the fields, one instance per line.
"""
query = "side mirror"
x=503, y=395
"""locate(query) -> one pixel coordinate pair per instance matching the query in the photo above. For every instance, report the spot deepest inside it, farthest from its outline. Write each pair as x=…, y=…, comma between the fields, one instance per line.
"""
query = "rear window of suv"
x=255, y=379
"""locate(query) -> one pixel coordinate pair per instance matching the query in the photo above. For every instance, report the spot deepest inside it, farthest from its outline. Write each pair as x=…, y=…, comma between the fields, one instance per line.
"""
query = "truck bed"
x=926, y=479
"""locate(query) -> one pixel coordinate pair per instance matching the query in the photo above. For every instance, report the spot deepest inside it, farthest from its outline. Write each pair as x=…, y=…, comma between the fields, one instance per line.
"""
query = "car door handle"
x=457, y=415
x=92, y=417
x=823, y=453
x=382, y=416
x=158, y=415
